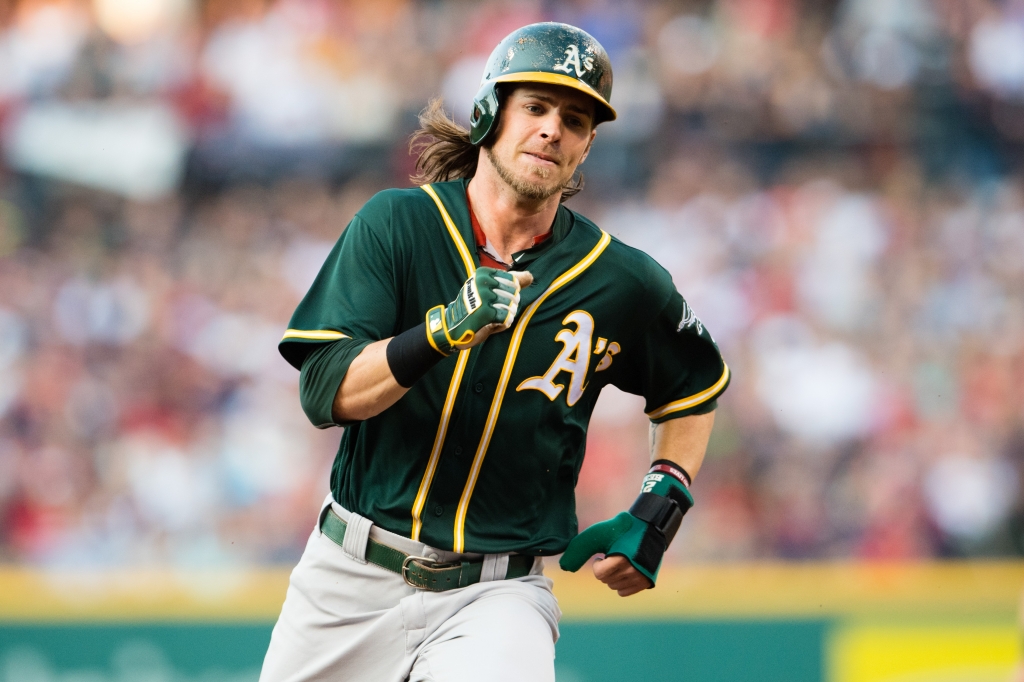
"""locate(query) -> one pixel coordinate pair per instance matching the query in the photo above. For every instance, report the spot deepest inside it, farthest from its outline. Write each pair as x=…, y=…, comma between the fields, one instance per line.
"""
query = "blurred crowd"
x=835, y=187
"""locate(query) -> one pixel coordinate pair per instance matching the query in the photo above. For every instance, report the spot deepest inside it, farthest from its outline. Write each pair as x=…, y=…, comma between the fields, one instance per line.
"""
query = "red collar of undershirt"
x=488, y=256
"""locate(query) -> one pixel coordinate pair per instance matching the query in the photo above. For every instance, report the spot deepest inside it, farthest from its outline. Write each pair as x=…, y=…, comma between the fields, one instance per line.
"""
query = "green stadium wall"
x=951, y=622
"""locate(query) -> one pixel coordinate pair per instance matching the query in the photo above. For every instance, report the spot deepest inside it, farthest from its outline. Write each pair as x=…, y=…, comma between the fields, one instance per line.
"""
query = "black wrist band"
x=669, y=467
x=410, y=355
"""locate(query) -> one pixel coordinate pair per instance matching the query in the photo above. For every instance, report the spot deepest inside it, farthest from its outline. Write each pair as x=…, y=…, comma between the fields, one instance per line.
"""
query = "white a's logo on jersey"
x=574, y=359
x=572, y=61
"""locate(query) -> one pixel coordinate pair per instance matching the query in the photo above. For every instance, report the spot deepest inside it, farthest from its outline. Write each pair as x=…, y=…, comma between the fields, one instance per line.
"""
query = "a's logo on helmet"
x=572, y=61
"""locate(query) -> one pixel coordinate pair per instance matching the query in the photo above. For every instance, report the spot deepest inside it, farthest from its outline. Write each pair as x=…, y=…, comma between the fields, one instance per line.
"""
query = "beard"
x=528, y=190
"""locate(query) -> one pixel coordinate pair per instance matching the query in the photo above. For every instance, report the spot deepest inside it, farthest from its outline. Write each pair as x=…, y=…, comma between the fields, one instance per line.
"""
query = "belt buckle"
x=427, y=563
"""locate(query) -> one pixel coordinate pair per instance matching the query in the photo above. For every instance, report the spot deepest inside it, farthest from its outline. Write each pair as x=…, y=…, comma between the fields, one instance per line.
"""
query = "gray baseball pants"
x=346, y=619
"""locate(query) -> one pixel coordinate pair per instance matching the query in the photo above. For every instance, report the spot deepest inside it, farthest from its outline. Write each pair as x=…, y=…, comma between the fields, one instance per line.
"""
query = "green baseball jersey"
x=482, y=454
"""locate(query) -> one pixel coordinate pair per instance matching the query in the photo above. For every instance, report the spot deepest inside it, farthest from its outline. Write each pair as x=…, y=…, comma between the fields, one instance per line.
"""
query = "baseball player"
x=461, y=332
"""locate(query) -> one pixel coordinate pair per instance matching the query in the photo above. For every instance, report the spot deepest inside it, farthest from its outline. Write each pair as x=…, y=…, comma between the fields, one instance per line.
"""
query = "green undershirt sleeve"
x=321, y=375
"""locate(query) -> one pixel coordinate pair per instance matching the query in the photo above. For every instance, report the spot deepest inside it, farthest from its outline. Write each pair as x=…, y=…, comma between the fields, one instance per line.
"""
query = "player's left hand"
x=639, y=537
x=622, y=535
x=617, y=573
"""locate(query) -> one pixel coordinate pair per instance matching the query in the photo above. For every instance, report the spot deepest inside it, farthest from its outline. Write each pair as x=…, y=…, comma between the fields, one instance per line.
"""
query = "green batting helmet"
x=543, y=53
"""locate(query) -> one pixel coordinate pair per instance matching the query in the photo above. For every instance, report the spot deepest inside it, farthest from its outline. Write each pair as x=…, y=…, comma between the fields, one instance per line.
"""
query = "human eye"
x=576, y=122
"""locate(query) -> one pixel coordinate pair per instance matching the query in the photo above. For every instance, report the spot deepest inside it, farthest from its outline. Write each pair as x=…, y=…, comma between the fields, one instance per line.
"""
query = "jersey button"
x=479, y=388
x=458, y=450
x=438, y=510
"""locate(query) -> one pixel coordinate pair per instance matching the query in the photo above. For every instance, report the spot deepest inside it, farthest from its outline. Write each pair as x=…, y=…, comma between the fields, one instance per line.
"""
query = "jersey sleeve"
x=353, y=295
x=321, y=375
x=677, y=366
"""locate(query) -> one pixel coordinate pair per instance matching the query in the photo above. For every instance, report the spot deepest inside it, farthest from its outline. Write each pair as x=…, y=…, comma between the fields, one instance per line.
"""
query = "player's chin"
x=539, y=187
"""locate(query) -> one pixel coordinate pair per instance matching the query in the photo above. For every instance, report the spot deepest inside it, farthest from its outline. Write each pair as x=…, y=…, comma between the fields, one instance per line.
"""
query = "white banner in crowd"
x=135, y=150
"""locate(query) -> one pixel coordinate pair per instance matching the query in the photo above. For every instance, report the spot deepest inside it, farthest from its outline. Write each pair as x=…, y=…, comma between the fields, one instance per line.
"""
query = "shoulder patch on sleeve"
x=689, y=319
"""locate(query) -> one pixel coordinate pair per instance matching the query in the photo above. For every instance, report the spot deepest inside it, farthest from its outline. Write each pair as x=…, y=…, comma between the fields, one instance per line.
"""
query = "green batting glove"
x=644, y=532
x=487, y=303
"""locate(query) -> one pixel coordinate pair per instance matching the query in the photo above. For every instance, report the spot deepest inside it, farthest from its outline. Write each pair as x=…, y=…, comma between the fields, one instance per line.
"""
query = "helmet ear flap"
x=484, y=118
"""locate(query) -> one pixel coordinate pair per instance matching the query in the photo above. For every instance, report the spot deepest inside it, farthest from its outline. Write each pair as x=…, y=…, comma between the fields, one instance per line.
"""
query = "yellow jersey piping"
x=467, y=259
x=314, y=334
x=435, y=452
x=453, y=387
x=506, y=373
x=693, y=400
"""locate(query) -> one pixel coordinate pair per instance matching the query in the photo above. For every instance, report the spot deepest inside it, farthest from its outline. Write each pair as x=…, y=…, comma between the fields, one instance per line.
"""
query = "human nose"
x=551, y=127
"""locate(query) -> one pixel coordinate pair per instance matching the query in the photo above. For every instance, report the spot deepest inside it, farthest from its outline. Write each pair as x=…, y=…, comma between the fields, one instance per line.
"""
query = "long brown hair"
x=443, y=150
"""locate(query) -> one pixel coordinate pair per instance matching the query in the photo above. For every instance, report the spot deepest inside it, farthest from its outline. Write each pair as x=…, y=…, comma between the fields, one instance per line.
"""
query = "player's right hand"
x=487, y=303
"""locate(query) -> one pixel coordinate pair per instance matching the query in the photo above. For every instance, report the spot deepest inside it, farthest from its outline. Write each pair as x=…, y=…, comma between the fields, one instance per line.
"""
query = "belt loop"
x=495, y=567
x=356, y=536
x=464, y=574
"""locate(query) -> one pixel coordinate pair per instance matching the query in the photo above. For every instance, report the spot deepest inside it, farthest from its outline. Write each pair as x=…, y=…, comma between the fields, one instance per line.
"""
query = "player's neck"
x=510, y=221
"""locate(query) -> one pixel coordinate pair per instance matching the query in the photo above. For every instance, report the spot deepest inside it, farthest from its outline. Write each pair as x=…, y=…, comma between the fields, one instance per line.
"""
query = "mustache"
x=545, y=153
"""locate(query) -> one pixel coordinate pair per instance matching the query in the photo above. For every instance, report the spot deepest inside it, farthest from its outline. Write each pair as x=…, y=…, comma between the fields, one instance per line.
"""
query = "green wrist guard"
x=643, y=533
x=487, y=303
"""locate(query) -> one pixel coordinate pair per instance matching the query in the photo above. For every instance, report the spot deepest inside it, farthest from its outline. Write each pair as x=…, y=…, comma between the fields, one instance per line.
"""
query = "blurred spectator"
x=835, y=187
